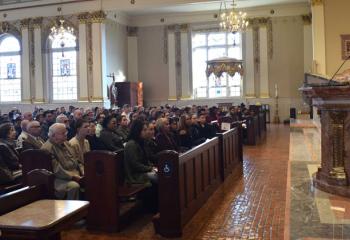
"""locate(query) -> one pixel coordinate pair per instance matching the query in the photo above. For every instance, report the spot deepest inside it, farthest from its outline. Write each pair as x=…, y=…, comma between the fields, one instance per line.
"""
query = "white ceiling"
x=203, y=6
x=140, y=8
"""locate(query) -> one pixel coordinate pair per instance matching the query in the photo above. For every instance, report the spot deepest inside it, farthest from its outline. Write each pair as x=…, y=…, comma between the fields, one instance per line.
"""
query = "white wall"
x=286, y=67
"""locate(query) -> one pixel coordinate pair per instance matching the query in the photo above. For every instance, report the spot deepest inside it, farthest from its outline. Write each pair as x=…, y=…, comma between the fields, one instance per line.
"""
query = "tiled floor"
x=252, y=207
x=314, y=214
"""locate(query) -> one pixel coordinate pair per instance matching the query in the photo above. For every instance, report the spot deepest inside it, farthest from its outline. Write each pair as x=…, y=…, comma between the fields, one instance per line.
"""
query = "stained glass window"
x=10, y=69
x=212, y=45
x=64, y=68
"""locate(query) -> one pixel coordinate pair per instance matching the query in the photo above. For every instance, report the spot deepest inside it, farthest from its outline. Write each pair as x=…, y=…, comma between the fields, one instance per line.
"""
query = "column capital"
x=4, y=27
x=98, y=16
x=307, y=19
x=178, y=27
x=132, y=31
x=25, y=23
x=37, y=22
x=84, y=17
x=316, y=2
x=260, y=21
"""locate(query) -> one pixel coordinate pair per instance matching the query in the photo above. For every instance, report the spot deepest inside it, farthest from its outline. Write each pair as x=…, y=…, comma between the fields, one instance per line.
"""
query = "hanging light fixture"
x=59, y=31
x=232, y=20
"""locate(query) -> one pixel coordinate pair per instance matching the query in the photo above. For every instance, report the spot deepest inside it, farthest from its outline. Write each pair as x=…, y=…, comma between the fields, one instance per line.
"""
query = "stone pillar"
x=38, y=83
x=83, y=94
x=98, y=49
x=172, y=63
x=249, y=77
x=307, y=19
x=186, y=86
x=25, y=59
x=264, y=66
x=318, y=37
x=133, y=73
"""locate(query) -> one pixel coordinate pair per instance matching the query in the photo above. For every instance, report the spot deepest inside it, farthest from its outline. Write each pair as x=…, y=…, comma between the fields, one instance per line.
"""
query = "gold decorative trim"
x=98, y=16
x=84, y=17
x=307, y=19
x=337, y=127
x=250, y=96
x=4, y=27
x=261, y=21
x=39, y=100
x=24, y=23
x=316, y=2
x=84, y=99
x=37, y=22
x=178, y=27
x=186, y=98
x=172, y=98
x=265, y=95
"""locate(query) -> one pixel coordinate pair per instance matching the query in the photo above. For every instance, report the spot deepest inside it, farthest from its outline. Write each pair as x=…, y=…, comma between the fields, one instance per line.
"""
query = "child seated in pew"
x=10, y=169
x=137, y=167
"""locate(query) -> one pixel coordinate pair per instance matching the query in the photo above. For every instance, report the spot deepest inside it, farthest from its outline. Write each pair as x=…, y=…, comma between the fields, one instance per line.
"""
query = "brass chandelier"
x=232, y=20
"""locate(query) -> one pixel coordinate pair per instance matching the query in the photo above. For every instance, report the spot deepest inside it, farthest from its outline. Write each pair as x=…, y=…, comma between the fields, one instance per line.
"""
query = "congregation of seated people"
x=140, y=132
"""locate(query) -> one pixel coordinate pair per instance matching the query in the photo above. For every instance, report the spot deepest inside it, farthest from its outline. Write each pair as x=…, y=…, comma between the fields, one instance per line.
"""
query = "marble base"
x=325, y=186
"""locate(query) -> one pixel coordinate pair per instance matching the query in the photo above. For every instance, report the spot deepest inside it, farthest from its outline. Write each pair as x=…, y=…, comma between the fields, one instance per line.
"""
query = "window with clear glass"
x=10, y=69
x=209, y=46
x=64, y=67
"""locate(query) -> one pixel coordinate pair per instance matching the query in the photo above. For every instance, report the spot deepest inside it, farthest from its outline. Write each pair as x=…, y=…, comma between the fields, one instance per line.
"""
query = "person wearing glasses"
x=33, y=140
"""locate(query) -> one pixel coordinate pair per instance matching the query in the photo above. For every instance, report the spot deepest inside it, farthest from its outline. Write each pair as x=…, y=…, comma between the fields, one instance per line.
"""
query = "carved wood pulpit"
x=333, y=101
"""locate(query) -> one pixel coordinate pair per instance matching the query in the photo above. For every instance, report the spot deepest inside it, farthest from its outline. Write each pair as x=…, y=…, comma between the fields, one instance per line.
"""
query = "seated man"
x=33, y=140
x=23, y=134
x=68, y=172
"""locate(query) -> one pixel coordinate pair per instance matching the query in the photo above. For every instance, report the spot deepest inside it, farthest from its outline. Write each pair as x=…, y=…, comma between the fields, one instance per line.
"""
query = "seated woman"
x=112, y=141
x=9, y=163
x=138, y=169
x=79, y=143
x=185, y=131
x=164, y=138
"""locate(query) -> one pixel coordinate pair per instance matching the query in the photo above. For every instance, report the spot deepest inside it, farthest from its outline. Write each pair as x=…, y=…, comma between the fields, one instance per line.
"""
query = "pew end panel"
x=105, y=189
x=186, y=182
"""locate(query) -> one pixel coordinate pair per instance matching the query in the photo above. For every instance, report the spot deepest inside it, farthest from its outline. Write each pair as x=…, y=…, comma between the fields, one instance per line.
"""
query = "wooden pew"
x=230, y=149
x=105, y=188
x=185, y=183
x=252, y=130
x=30, y=213
x=35, y=159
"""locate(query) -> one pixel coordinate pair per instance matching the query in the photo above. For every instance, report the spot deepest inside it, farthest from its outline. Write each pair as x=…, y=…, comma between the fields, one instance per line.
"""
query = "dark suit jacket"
x=31, y=143
x=166, y=142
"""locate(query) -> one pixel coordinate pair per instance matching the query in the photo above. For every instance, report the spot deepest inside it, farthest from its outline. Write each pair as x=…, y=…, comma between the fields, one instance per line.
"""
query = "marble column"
x=249, y=77
x=133, y=73
x=264, y=66
x=98, y=49
x=83, y=94
x=172, y=63
x=38, y=83
x=26, y=94
x=186, y=86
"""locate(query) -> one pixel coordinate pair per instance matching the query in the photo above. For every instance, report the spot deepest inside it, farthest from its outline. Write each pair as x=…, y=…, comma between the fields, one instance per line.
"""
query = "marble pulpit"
x=332, y=99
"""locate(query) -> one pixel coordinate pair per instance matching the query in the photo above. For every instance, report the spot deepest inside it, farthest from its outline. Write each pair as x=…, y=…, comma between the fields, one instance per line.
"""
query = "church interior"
x=174, y=119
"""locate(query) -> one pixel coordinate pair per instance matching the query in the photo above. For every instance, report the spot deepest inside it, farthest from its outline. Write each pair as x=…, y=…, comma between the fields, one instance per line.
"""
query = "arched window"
x=10, y=69
x=64, y=67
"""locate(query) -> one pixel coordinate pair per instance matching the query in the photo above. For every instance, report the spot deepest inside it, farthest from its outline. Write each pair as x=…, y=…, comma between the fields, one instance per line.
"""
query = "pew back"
x=35, y=159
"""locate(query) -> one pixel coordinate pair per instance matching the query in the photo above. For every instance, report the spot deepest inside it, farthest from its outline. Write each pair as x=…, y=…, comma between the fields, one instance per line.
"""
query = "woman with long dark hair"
x=9, y=163
x=138, y=169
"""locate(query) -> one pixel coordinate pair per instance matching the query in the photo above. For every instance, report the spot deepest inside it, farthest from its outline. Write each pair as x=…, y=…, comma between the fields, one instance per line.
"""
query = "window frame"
x=226, y=45
x=50, y=68
x=3, y=36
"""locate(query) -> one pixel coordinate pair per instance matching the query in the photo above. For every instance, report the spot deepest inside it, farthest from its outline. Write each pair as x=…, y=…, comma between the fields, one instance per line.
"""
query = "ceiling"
x=148, y=7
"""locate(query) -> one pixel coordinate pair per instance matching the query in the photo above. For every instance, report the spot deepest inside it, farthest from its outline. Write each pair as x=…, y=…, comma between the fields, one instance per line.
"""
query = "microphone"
x=331, y=80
